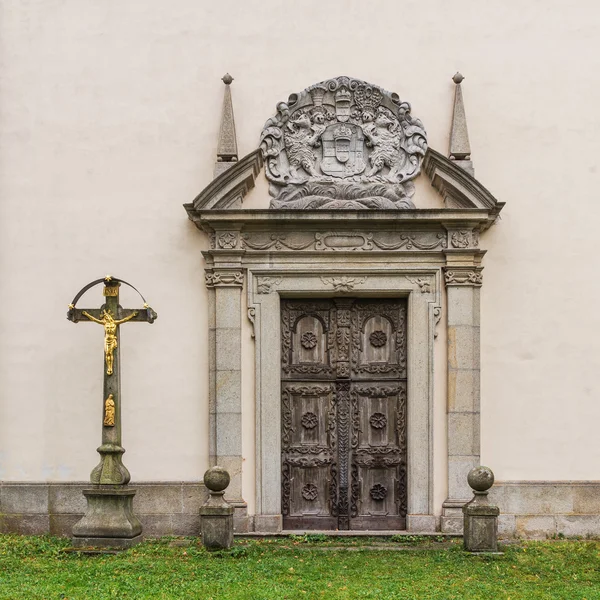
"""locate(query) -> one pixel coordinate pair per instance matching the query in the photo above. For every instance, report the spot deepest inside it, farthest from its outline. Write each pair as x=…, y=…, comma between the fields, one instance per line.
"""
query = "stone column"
x=463, y=281
x=225, y=280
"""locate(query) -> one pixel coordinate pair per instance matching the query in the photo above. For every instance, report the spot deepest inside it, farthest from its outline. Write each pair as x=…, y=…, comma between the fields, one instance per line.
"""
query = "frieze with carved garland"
x=340, y=241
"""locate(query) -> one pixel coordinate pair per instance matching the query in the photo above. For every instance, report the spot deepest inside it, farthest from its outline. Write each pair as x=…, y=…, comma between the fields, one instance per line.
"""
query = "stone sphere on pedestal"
x=216, y=479
x=481, y=479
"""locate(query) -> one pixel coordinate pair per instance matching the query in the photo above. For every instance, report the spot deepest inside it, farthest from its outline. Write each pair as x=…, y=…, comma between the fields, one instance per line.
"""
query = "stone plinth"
x=216, y=515
x=109, y=521
x=480, y=517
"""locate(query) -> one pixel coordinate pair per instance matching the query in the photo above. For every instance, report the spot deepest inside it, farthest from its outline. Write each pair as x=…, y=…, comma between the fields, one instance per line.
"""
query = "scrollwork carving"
x=252, y=318
x=223, y=278
x=463, y=277
x=437, y=315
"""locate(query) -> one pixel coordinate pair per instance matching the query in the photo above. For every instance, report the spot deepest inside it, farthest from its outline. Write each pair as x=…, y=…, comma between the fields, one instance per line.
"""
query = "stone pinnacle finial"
x=458, y=78
x=227, y=152
x=460, y=149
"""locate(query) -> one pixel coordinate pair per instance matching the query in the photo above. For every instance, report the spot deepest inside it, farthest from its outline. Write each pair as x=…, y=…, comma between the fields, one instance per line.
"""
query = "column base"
x=107, y=542
x=422, y=523
x=268, y=523
x=452, y=520
x=109, y=521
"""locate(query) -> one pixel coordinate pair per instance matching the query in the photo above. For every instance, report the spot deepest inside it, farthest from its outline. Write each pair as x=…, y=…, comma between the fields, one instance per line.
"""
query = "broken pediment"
x=344, y=144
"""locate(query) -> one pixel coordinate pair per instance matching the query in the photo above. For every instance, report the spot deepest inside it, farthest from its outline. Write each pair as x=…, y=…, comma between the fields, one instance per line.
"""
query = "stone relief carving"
x=343, y=143
x=252, y=319
x=228, y=240
x=378, y=492
x=344, y=241
x=265, y=285
x=423, y=283
x=343, y=283
x=463, y=277
x=410, y=241
x=223, y=278
x=461, y=239
x=275, y=240
x=437, y=315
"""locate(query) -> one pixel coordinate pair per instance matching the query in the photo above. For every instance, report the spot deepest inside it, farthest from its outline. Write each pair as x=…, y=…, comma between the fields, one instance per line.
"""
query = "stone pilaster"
x=463, y=279
x=225, y=282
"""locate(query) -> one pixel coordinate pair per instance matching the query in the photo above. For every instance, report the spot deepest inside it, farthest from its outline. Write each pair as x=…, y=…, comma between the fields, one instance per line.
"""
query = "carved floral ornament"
x=343, y=143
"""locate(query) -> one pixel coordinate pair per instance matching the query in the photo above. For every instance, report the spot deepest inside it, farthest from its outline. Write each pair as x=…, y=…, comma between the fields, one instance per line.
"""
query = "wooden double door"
x=343, y=402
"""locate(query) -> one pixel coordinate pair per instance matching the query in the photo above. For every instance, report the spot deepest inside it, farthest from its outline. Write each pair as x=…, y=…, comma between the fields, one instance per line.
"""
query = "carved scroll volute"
x=343, y=320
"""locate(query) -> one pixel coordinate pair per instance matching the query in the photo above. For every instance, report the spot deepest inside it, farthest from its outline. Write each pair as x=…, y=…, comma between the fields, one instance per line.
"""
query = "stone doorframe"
x=363, y=253
x=378, y=254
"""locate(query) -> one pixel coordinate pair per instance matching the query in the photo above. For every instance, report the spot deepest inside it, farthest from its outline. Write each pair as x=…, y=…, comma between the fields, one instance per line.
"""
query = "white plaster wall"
x=109, y=115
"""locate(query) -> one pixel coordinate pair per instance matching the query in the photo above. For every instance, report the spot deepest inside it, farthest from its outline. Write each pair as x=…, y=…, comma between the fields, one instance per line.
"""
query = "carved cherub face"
x=367, y=116
x=318, y=118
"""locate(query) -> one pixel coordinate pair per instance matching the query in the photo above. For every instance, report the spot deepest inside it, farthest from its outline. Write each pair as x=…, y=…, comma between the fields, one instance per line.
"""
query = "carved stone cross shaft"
x=110, y=470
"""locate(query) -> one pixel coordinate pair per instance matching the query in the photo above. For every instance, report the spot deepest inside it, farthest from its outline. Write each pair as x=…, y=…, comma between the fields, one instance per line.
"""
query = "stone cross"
x=110, y=470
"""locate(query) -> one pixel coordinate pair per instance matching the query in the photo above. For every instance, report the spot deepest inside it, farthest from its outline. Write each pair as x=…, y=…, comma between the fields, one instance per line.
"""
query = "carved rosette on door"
x=344, y=414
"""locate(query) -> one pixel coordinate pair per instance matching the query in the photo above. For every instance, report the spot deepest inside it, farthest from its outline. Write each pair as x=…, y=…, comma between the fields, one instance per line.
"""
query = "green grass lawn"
x=302, y=567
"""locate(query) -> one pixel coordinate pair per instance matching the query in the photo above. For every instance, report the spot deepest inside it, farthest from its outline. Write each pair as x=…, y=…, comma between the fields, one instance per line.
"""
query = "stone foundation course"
x=542, y=509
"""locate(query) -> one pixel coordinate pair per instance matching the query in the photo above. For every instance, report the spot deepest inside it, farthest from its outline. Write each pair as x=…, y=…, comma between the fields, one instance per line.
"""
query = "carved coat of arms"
x=343, y=143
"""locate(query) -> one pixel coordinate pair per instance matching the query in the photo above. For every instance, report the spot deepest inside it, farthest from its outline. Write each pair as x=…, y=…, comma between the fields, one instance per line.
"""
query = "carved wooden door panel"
x=344, y=414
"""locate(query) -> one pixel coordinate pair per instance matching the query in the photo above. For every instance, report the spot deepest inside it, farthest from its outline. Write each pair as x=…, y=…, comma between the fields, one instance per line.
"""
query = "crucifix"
x=110, y=470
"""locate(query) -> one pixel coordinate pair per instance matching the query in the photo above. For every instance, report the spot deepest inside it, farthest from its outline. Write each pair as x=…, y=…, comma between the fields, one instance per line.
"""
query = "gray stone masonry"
x=480, y=518
x=216, y=515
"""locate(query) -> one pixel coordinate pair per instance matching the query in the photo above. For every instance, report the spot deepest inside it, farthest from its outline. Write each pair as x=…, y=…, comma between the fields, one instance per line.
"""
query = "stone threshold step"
x=329, y=533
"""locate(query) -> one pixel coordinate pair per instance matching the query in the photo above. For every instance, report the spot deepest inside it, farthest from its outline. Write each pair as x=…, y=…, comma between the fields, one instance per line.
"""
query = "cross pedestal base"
x=109, y=521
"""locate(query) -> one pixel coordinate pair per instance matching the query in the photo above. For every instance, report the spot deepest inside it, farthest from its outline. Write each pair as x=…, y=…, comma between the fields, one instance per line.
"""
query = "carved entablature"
x=343, y=144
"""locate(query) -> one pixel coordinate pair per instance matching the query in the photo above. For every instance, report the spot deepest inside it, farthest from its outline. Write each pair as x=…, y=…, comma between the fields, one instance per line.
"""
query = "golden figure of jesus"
x=110, y=334
x=109, y=411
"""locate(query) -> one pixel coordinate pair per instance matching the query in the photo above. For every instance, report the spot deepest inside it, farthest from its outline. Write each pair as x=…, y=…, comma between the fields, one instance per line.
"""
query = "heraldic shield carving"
x=343, y=143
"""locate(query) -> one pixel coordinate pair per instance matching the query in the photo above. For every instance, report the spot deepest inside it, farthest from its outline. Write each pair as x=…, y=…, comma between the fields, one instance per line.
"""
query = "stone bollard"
x=480, y=517
x=216, y=515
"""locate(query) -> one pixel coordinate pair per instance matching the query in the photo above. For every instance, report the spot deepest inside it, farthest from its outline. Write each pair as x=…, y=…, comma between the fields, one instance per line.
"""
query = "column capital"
x=471, y=276
x=223, y=278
